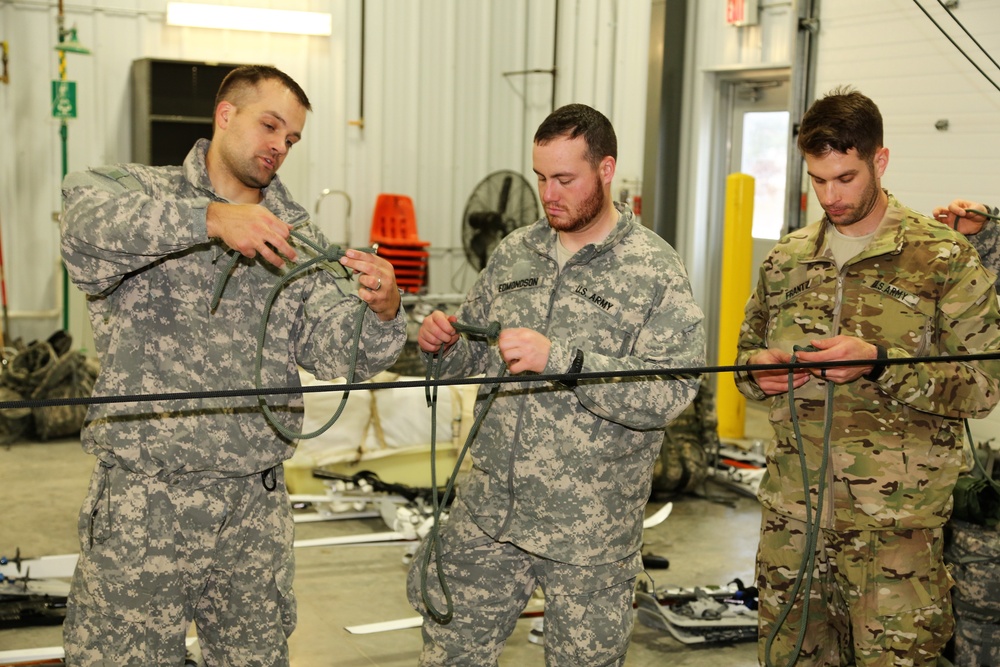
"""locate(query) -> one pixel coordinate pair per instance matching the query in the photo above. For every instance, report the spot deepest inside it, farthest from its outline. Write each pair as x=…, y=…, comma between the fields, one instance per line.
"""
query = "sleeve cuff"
x=881, y=354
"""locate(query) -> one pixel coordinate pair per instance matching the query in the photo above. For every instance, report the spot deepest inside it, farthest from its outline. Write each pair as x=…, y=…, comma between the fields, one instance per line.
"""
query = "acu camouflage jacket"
x=134, y=240
x=562, y=471
x=918, y=289
x=987, y=242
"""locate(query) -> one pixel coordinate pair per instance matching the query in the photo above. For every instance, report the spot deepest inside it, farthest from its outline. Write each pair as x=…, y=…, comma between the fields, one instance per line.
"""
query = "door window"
x=765, y=157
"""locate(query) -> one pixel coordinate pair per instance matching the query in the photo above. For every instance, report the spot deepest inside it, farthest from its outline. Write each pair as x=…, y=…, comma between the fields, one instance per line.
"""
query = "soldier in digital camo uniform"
x=187, y=514
x=561, y=472
x=870, y=280
x=982, y=230
x=973, y=548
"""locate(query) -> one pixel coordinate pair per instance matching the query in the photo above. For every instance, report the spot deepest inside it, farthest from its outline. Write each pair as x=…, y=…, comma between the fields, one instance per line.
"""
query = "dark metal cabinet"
x=172, y=106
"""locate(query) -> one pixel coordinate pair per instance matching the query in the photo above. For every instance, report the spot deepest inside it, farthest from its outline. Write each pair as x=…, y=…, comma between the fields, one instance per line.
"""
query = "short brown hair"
x=237, y=82
x=842, y=120
x=574, y=120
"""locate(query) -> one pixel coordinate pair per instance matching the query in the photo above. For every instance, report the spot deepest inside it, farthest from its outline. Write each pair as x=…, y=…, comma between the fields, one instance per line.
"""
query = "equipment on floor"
x=26, y=601
x=738, y=469
x=702, y=614
x=499, y=204
x=30, y=601
x=973, y=555
x=407, y=511
x=45, y=370
x=972, y=551
x=684, y=458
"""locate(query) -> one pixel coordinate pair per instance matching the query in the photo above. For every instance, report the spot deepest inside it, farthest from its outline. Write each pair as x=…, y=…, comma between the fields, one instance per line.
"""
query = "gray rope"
x=812, y=529
x=491, y=332
x=328, y=259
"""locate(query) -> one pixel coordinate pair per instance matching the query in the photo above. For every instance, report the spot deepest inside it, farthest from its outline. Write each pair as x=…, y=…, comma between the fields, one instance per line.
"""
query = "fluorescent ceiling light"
x=245, y=18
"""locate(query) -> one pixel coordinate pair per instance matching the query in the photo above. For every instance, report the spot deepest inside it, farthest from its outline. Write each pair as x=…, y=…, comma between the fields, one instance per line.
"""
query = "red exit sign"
x=741, y=12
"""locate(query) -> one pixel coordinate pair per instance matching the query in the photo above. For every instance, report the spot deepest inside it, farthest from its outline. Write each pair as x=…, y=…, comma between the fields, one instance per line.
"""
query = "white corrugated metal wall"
x=439, y=113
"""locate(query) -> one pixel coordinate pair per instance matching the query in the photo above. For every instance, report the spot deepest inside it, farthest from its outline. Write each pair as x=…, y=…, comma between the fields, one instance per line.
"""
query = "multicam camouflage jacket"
x=918, y=289
x=564, y=470
x=134, y=240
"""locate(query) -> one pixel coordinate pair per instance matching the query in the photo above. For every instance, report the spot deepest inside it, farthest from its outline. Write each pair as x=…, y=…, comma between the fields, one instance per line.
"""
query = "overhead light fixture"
x=245, y=18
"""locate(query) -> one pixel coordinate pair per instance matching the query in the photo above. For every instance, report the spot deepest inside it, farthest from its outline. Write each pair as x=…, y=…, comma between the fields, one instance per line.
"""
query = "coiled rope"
x=328, y=258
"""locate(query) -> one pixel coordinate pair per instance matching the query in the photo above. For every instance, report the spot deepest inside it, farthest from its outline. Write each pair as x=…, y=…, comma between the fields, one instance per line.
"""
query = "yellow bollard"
x=737, y=254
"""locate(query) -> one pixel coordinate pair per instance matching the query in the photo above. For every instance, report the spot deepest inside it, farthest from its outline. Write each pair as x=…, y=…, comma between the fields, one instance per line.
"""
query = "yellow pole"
x=737, y=254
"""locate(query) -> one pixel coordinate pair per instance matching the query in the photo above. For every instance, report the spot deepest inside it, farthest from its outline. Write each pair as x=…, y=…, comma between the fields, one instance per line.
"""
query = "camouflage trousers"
x=155, y=555
x=879, y=598
x=588, y=610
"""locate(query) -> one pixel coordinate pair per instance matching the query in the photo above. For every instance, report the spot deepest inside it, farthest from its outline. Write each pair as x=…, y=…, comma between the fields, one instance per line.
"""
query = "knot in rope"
x=490, y=331
x=329, y=257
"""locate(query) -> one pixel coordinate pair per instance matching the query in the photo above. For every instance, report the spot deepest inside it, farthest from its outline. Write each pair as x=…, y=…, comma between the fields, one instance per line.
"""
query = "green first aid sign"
x=64, y=99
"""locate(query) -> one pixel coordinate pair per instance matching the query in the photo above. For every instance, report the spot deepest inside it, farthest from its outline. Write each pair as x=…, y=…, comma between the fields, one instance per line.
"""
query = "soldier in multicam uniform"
x=187, y=516
x=871, y=280
x=561, y=471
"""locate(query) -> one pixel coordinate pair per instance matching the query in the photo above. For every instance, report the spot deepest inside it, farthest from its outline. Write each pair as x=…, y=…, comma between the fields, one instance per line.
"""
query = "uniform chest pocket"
x=883, y=319
x=519, y=307
x=582, y=323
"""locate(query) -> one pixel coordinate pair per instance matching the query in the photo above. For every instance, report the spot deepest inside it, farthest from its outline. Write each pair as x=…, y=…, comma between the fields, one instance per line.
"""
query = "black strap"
x=269, y=479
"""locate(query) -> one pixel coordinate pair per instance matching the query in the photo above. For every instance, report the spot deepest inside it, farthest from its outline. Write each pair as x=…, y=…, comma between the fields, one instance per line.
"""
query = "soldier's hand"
x=251, y=230
x=377, y=282
x=957, y=216
x=437, y=330
x=775, y=381
x=840, y=348
x=524, y=350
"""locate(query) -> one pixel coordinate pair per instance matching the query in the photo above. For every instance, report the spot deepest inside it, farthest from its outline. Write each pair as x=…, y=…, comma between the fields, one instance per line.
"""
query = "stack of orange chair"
x=394, y=229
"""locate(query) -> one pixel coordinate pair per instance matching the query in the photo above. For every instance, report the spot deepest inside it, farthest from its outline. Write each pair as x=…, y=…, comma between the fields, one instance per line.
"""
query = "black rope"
x=652, y=373
x=955, y=44
x=966, y=31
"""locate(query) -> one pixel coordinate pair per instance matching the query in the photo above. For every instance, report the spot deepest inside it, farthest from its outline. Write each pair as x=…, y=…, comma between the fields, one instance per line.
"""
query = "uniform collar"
x=276, y=197
x=888, y=237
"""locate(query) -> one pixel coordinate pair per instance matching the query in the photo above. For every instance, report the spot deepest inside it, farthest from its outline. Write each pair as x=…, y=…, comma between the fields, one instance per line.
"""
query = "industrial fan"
x=499, y=204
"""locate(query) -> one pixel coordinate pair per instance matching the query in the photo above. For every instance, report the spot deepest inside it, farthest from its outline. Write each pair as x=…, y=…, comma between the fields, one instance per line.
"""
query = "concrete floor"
x=706, y=542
